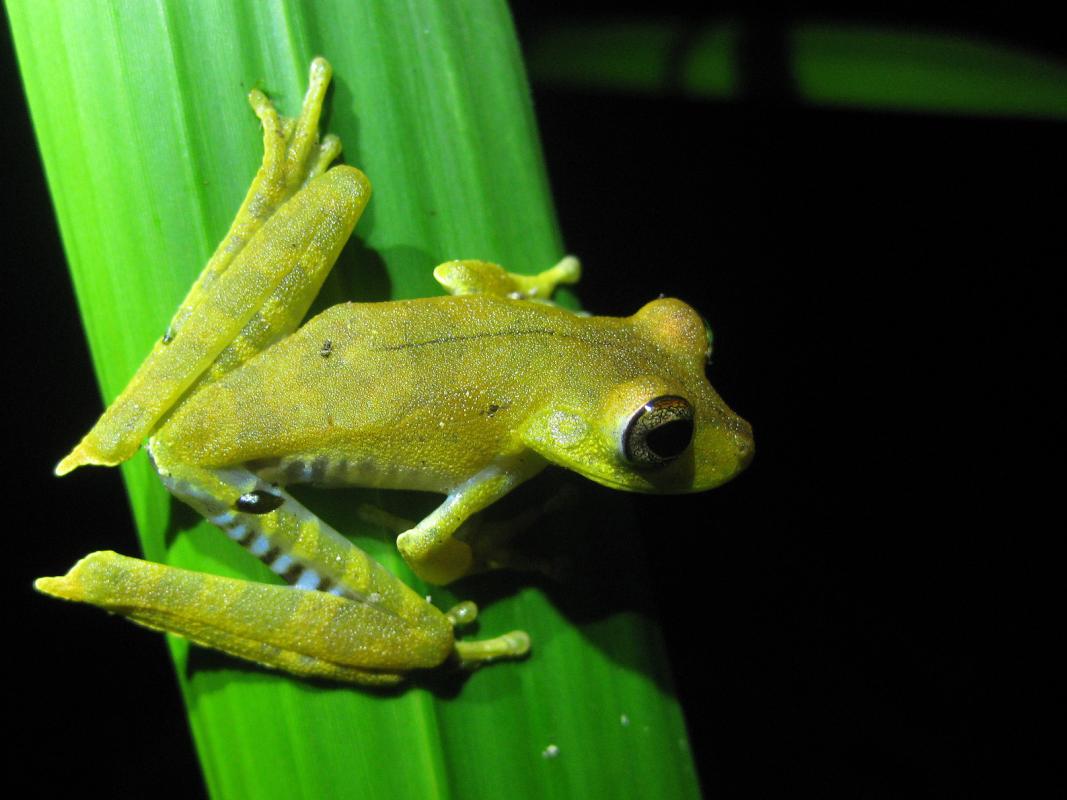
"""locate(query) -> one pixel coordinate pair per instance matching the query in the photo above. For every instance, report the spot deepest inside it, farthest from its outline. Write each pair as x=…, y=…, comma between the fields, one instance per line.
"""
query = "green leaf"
x=148, y=146
x=829, y=64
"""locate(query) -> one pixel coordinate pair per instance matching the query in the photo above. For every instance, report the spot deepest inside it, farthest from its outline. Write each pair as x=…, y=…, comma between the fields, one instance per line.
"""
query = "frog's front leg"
x=354, y=621
x=470, y=276
x=491, y=541
x=430, y=549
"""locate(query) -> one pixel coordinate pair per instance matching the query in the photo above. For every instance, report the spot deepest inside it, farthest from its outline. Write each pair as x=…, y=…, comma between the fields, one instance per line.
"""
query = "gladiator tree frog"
x=468, y=395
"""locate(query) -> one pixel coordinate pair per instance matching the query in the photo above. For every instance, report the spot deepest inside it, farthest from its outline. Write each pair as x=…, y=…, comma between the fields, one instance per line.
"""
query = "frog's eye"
x=659, y=432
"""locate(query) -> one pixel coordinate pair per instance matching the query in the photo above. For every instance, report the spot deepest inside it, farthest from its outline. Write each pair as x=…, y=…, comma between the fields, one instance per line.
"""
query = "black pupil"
x=670, y=439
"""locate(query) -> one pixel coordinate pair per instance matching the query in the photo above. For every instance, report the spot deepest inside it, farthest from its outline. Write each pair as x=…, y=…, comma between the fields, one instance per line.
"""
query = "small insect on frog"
x=468, y=395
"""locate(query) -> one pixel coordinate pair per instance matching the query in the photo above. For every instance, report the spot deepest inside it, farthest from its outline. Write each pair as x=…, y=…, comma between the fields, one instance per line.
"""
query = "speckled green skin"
x=468, y=395
x=424, y=394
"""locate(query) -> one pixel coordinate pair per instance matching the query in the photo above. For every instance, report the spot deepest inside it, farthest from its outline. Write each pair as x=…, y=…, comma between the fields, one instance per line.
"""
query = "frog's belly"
x=337, y=471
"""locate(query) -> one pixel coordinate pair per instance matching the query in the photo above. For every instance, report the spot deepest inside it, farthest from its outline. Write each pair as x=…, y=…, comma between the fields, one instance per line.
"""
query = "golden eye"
x=659, y=432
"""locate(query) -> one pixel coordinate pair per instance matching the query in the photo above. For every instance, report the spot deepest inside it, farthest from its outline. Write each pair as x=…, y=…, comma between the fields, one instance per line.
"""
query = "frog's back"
x=410, y=394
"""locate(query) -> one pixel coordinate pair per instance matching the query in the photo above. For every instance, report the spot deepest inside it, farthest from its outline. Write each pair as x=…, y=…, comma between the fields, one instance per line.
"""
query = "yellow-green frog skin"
x=468, y=395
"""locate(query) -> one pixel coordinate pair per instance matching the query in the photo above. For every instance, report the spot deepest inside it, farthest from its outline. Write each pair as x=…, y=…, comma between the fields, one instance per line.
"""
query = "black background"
x=864, y=612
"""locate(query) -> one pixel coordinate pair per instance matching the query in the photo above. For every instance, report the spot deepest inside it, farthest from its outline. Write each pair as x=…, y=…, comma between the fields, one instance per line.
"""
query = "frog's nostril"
x=746, y=446
x=745, y=451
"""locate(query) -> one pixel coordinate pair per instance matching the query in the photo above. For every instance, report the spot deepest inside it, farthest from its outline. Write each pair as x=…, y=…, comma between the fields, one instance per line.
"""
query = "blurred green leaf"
x=844, y=65
x=829, y=64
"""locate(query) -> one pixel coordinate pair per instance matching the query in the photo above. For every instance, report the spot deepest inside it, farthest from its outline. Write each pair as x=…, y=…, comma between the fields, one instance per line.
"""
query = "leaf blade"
x=431, y=102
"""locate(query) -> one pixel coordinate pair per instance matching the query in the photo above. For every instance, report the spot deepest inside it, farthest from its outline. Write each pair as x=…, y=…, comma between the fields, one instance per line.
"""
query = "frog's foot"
x=292, y=153
x=482, y=277
x=292, y=157
x=515, y=644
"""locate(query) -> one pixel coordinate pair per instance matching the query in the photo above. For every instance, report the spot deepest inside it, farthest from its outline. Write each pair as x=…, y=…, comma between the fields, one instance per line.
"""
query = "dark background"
x=872, y=596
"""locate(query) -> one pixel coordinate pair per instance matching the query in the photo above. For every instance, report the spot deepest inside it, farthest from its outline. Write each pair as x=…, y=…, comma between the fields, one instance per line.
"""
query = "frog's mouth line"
x=673, y=478
x=677, y=477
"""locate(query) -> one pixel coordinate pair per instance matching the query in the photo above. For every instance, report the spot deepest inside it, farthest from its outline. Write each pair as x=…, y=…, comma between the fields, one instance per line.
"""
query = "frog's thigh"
x=311, y=555
x=291, y=540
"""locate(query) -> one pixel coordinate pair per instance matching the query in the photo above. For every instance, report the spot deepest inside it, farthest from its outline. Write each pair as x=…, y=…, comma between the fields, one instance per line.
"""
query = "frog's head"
x=646, y=419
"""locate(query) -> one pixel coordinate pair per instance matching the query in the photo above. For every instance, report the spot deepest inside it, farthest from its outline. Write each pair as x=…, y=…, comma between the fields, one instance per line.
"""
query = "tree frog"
x=468, y=395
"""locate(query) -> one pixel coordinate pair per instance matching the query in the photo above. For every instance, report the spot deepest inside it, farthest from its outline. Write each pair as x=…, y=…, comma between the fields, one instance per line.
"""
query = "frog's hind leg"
x=343, y=616
x=259, y=284
x=292, y=156
x=310, y=555
x=291, y=540
x=312, y=634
